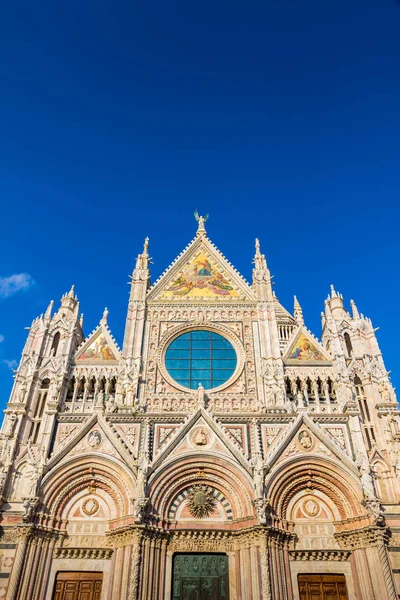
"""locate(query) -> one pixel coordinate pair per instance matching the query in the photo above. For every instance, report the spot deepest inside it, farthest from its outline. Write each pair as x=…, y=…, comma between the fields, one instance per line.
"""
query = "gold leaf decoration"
x=201, y=502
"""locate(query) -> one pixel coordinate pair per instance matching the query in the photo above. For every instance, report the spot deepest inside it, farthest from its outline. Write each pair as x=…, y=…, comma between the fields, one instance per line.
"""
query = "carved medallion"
x=94, y=439
x=90, y=507
x=200, y=437
x=310, y=507
x=305, y=440
x=201, y=501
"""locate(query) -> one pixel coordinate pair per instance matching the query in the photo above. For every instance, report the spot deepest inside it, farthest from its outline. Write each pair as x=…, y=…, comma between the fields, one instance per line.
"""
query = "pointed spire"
x=47, y=314
x=333, y=292
x=105, y=317
x=260, y=261
x=356, y=314
x=142, y=261
x=298, y=312
x=71, y=293
x=201, y=230
x=146, y=248
x=81, y=320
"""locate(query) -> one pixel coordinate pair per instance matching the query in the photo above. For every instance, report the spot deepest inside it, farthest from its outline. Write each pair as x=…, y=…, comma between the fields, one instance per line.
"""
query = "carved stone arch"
x=314, y=472
x=231, y=480
x=88, y=470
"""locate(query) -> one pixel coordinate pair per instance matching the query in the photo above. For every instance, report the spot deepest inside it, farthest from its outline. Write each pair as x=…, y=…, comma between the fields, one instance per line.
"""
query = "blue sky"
x=117, y=120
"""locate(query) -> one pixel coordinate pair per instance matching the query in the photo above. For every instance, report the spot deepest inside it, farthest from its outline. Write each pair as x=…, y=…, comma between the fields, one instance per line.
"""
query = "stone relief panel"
x=313, y=521
x=238, y=433
x=163, y=434
x=130, y=434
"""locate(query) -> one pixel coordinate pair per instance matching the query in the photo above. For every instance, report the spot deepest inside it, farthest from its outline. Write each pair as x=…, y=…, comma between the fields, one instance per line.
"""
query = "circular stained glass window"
x=200, y=357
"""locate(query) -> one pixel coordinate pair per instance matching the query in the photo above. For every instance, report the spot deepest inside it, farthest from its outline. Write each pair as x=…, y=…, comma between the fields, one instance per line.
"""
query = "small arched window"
x=56, y=341
x=349, y=345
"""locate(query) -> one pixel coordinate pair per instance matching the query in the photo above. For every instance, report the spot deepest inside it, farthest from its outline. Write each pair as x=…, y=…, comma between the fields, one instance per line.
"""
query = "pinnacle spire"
x=260, y=261
x=47, y=314
x=356, y=314
x=298, y=312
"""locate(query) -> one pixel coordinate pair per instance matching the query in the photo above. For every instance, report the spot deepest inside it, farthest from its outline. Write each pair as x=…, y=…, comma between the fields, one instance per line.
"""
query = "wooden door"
x=78, y=586
x=322, y=587
x=200, y=577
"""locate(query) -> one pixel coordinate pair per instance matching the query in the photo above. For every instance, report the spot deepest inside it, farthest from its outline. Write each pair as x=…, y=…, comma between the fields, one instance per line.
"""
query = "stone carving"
x=90, y=507
x=200, y=437
x=66, y=433
x=310, y=507
x=94, y=439
x=10, y=424
x=305, y=440
x=201, y=501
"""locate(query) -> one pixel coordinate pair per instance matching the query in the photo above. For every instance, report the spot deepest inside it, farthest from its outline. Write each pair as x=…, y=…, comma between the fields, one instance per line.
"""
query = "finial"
x=71, y=293
x=333, y=292
x=356, y=314
x=298, y=312
x=47, y=314
x=201, y=220
x=105, y=316
x=81, y=320
x=146, y=247
x=260, y=261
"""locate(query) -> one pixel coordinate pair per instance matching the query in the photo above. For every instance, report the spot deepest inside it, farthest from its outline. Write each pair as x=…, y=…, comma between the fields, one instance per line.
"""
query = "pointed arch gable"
x=87, y=471
x=315, y=472
x=229, y=479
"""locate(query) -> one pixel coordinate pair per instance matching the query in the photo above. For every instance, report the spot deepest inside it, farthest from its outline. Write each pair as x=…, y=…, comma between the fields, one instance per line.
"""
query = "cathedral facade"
x=223, y=453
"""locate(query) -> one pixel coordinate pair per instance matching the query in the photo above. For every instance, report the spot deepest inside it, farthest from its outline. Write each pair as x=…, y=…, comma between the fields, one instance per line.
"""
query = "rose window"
x=200, y=357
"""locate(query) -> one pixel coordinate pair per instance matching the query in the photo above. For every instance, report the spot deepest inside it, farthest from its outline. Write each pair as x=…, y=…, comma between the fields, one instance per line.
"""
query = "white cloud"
x=1, y=338
x=11, y=364
x=15, y=283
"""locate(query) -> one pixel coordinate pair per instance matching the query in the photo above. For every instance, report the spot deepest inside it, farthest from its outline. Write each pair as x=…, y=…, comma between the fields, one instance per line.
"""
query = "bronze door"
x=322, y=587
x=200, y=577
x=78, y=586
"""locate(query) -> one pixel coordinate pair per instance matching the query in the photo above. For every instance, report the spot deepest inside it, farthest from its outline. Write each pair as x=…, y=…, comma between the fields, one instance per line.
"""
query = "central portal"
x=200, y=577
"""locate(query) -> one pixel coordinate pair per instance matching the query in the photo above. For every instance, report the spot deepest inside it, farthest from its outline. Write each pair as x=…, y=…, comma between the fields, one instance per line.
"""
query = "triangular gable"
x=201, y=272
x=107, y=441
x=304, y=423
x=305, y=350
x=201, y=419
x=99, y=348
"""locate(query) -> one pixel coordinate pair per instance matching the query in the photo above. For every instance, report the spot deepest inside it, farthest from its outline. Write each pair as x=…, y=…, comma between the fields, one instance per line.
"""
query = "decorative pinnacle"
x=146, y=247
x=201, y=220
x=105, y=316
x=258, y=247
x=298, y=312
x=71, y=293
x=356, y=314
x=333, y=292
x=47, y=314
x=81, y=320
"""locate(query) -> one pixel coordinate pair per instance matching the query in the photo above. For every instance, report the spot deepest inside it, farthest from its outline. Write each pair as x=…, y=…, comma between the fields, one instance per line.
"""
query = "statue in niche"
x=258, y=476
x=10, y=424
x=366, y=478
x=143, y=468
